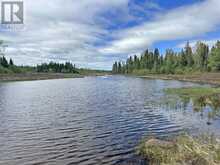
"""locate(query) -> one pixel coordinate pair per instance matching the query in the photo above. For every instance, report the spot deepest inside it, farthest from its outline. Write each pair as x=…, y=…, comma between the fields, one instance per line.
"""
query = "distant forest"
x=201, y=59
x=52, y=67
x=57, y=68
x=8, y=66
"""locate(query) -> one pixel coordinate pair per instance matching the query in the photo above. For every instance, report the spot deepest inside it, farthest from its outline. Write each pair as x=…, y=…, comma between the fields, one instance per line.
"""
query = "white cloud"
x=193, y=43
x=60, y=30
x=180, y=23
x=77, y=30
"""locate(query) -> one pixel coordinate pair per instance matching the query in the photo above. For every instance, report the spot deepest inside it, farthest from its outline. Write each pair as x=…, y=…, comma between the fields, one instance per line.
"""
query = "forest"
x=57, y=68
x=200, y=58
x=52, y=67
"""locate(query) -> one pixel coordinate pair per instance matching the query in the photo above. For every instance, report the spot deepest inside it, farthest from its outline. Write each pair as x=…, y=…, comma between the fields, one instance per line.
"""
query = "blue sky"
x=95, y=33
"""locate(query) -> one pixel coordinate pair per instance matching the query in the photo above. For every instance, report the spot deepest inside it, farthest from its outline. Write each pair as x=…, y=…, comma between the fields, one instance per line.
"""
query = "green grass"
x=193, y=92
x=90, y=72
x=16, y=69
x=200, y=97
x=181, y=150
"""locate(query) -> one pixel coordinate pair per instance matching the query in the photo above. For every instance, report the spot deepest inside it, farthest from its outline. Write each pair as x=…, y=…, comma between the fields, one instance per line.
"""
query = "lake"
x=88, y=121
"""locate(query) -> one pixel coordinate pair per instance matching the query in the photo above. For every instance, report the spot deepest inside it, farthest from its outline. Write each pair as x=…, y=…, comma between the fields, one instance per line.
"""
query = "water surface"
x=86, y=121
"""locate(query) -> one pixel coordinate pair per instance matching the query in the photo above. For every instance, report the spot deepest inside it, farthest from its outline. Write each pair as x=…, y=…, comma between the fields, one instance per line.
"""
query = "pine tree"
x=189, y=55
x=11, y=62
x=183, y=58
x=4, y=62
x=115, y=68
x=214, y=58
x=201, y=58
x=119, y=67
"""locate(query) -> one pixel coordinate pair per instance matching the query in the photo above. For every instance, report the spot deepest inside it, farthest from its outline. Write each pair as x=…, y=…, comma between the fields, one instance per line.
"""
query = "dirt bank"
x=36, y=76
x=209, y=78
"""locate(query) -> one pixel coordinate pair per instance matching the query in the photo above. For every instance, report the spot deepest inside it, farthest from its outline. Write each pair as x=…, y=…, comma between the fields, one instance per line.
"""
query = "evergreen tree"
x=115, y=68
x=214, y=58
x=57, y=68
x=189, y=55
x=11, y=62
x=183, y=58
x=172, y=62
x=201, y=57
x=119, y=67
x=156, y=60
x=4, y=62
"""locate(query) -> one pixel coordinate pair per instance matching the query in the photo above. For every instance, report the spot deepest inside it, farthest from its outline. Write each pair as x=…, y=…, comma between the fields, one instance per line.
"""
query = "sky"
x=95, y=33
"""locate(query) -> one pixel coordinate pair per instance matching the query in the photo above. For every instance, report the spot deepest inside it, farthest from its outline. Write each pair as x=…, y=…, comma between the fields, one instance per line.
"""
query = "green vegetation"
x=186, y=61
x=7, y=67
x=193, y=92
x=92, y=72
x=181, y=150
x=200, y=99
x=57, y=68
x=214, y=58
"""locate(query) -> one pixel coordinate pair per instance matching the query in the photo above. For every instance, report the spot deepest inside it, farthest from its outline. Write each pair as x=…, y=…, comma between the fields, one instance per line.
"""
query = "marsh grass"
x=185, y=149
x=201, y=98
x=181, y=150
x=193, y=92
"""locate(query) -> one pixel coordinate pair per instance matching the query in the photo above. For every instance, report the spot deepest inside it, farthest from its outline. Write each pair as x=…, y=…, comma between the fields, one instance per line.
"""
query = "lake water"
x=87, y=121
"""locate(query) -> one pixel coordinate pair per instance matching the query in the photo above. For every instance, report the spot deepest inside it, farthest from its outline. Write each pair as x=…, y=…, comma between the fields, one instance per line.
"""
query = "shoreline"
x=202, y=78
x=37, y=76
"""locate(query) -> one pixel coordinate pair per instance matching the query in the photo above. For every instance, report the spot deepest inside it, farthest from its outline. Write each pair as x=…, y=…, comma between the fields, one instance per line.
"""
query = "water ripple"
x=90, y=121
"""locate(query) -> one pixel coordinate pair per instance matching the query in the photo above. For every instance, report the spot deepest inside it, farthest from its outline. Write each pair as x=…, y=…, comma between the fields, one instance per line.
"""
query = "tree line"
x=5, y=63
x=7, y=66
x=201, y=59
x=57, y=67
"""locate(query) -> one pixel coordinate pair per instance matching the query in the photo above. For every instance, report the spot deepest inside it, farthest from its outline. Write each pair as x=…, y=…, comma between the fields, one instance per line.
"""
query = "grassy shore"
x=185, y=149
x=193, y=92
x=209, y=78
x=36, y=76
x=28, y=76
x=181, y=150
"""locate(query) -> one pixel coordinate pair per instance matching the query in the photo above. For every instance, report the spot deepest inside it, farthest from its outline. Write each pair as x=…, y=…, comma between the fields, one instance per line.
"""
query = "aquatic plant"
x=200, y=97
x=181, y=150
x=193, y=92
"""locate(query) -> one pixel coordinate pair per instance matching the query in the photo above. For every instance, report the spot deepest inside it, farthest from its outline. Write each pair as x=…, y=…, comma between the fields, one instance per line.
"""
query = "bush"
x=5, y=70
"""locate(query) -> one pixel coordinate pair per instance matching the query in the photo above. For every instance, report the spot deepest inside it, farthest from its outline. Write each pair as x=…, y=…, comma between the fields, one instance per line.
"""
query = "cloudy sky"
x=95, y=33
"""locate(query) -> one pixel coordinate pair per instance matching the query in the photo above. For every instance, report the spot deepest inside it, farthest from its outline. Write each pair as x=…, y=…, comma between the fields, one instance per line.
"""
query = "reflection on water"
x=88, y=121
x=208, y=107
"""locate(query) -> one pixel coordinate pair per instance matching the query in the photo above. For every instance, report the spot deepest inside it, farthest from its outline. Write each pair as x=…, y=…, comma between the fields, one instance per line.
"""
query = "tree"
x=57, y=68
x=115, y=68
x=130, y=64
x=11, y=62
x=201, y=58
x=189, y=55
x=156, y=59
x=169, y=61
x=146, y=59
x=119, y=67
x=4, y=62
x=173, y=62
x=136, y=62
x=214, y=58
x=183, y=59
